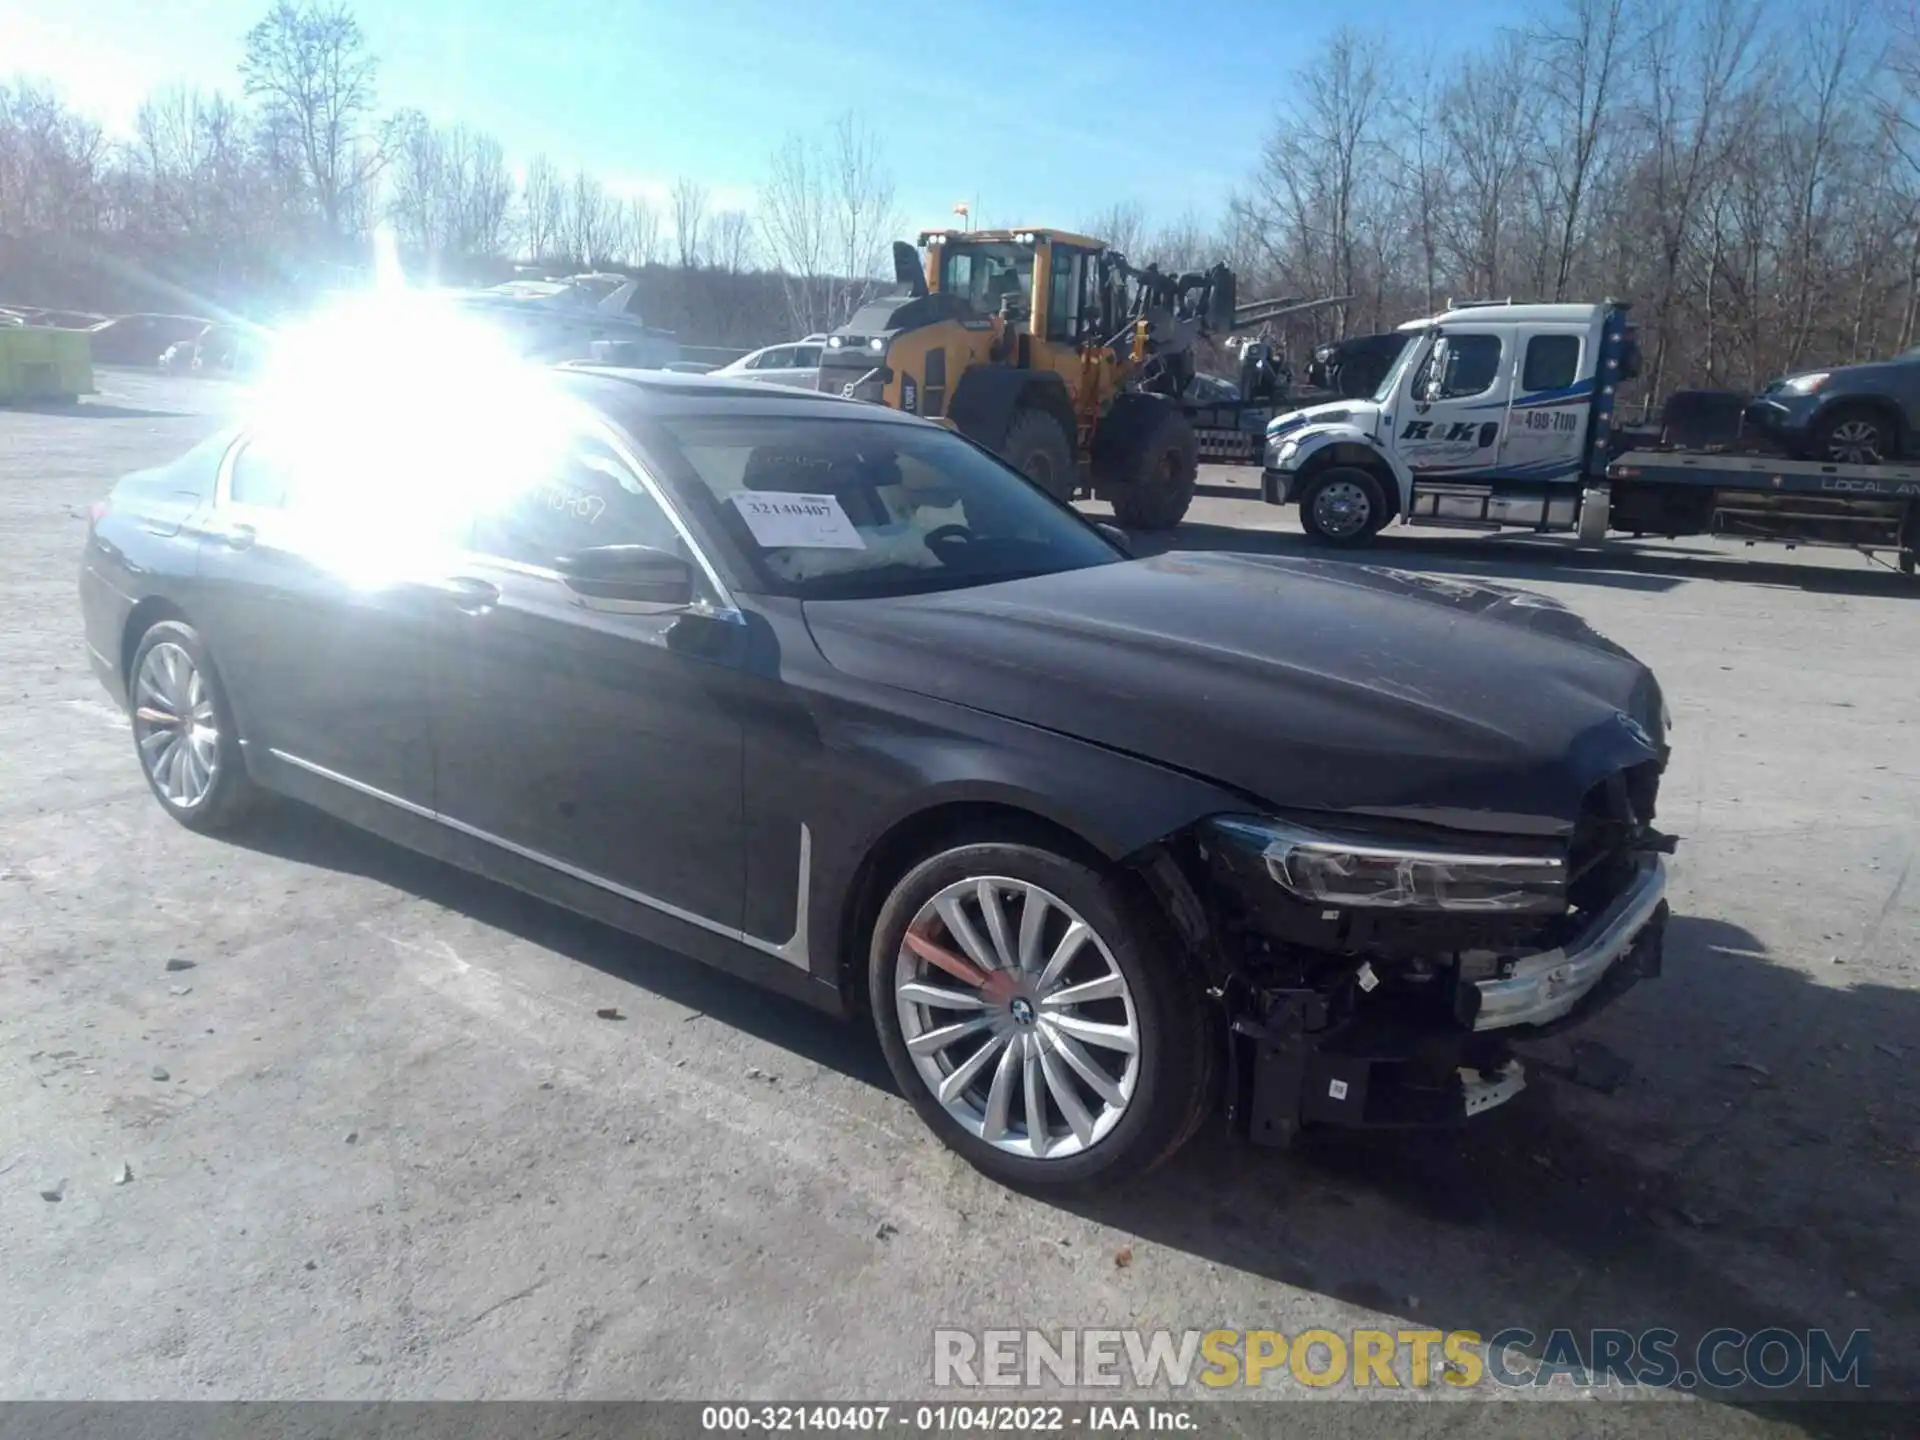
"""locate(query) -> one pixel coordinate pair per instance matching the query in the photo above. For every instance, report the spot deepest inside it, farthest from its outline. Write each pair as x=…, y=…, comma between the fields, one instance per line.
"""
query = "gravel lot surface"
x=395, y=1153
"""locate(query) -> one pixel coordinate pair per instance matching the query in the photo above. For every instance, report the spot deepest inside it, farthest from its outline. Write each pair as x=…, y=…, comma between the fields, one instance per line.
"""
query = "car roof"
x=665, y=394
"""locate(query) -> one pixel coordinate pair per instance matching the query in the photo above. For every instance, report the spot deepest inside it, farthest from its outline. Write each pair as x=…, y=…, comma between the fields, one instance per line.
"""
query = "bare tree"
x=542, y=208
x=864, y=219
x=689, y=217
x=309, y=67
x=793, y=230
x=592, y=224
x=1320, y=162
x=1486, y=123
x=643, y=232
x=1123, y=225
x=1580, y=66
x=732, y=245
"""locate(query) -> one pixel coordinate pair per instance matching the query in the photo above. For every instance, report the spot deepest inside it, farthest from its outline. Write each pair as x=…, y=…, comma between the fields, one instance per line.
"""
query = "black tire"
x=1178, y=1043
x=1344, y=505
x=1150, y=463
x=1854, y=435
x=230, y=792
x=1037, y=446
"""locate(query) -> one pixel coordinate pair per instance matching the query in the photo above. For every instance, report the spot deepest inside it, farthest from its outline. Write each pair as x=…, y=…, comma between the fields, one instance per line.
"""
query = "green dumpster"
x=39, y=362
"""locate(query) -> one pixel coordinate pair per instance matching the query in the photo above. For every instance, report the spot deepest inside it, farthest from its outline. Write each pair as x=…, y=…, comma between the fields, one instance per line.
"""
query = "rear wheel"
x=1038, y=448
x=1343, y=505
x=1152, y=467
x=183, y=730
x=1855, y=436
x=1037, y=1017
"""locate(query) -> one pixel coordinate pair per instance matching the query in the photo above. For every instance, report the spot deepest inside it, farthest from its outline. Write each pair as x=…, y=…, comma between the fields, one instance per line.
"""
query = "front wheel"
x=183, y=730
x=1343, y=505
x=1037, y=446
x=1037, y=1018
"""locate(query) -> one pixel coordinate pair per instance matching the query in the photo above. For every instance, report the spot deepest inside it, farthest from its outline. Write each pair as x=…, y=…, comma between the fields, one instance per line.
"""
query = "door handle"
x=470, y=593
x=239, y=537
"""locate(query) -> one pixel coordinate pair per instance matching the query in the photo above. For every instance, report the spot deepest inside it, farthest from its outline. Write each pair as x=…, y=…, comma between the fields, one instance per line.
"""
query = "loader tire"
x=1152, y=464
x=1038, y=448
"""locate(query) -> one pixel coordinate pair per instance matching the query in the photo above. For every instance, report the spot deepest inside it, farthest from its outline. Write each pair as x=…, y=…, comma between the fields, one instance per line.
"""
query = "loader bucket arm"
x=1259, y=312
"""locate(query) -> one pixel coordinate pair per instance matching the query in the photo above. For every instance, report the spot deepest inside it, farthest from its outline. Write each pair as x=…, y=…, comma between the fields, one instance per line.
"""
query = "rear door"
x=321, y=621
x=1456, y=411
x=1551, y=401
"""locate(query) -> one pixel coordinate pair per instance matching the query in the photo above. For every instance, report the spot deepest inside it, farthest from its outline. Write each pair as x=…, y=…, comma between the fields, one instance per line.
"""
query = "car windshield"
x=1415, y=346
x=836, y=507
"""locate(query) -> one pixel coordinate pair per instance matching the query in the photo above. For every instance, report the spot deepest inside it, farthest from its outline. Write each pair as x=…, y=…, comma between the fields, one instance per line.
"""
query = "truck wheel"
x=1855, y=436
x=1038, y=448
x=1035, y=1012
x=1155, y=474
x=1343, y=505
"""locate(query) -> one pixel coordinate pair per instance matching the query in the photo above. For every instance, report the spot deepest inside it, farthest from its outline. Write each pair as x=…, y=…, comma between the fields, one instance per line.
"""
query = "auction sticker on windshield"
x=779, y=520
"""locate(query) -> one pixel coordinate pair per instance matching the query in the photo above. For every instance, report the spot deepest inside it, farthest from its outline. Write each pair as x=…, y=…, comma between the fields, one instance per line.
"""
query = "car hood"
x=1361, y=414
x=1306, y=685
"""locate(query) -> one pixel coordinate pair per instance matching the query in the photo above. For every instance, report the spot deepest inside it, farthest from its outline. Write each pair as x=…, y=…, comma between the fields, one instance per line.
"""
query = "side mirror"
x=1116, y=535
x=626, y=575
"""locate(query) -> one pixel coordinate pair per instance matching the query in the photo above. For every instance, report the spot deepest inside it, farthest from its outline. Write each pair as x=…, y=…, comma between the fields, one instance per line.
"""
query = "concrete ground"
x=381, y=1146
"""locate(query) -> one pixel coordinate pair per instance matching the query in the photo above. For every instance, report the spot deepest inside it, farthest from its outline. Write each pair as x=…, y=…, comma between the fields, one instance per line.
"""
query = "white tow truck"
x=1501, y=415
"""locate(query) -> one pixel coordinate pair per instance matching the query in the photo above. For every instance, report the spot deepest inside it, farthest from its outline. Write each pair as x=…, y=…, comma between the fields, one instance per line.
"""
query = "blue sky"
x=1045, y=113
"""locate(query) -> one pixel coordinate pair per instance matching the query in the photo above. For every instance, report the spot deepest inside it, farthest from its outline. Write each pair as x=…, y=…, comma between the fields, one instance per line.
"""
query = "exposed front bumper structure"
x=1544, y=988
x=1295, y=1059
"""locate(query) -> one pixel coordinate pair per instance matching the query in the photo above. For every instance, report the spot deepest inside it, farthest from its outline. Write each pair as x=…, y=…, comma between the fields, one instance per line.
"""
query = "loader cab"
x=1041, y=282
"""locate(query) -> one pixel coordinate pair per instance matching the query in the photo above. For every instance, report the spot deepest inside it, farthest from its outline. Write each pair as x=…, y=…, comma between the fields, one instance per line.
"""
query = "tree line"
x=1747, y=171
x=254, y=201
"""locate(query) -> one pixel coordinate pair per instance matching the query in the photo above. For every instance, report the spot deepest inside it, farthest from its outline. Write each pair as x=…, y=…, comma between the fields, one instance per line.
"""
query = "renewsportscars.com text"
x=1723, y=1359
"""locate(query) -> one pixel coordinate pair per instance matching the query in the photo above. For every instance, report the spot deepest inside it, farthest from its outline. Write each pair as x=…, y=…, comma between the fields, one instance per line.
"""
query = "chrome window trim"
x=793, y=950
x=722, y=607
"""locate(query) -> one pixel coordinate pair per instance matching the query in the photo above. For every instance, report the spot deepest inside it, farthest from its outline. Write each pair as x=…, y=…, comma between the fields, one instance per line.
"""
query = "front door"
x=1450, y=423
x=1547, y=419
x=601, y=742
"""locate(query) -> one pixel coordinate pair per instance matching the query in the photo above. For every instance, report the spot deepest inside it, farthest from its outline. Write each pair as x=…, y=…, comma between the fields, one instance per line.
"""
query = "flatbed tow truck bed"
x=1760, y=497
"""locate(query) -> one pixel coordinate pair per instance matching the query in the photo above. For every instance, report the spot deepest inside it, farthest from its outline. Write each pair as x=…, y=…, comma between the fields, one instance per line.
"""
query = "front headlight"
x=1804, y=384
x=1359, y=872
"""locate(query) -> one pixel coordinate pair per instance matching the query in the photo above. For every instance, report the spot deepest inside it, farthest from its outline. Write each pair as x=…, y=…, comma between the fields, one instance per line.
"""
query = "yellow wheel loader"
x=1074, y=366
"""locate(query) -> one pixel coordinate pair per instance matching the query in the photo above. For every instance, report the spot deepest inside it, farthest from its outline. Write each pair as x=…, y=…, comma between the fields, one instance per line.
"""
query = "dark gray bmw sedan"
x=829, y=697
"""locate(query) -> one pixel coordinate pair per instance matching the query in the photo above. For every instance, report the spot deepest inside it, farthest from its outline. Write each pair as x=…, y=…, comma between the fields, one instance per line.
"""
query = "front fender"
x=1298, y=453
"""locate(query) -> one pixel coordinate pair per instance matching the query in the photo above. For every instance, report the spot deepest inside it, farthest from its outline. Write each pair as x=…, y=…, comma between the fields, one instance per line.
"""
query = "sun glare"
x=394, y=419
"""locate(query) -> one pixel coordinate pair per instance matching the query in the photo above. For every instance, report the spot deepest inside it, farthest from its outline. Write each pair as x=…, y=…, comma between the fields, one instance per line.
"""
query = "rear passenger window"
x=256, y=479
x=1553, y=362
x=590, y=500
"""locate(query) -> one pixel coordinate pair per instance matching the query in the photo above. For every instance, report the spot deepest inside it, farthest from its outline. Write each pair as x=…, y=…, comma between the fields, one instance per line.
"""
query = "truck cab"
x=1493, y=415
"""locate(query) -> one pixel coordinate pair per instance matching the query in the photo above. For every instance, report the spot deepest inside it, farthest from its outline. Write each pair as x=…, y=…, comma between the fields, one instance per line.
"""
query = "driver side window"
x=1458, y=367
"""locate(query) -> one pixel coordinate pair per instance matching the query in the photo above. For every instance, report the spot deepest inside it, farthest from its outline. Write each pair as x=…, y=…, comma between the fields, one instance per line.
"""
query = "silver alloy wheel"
x=1017, y=1017
x=175, y=725
x=1854, y=442
x=1341, y=509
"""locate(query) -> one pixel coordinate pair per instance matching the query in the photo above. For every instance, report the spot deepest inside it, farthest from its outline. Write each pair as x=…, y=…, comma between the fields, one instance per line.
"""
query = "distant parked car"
x=1845, y=414
x=797, y=364
x=1355, y=366
x=225, y=350
x=140, y=339
x=1212, y=390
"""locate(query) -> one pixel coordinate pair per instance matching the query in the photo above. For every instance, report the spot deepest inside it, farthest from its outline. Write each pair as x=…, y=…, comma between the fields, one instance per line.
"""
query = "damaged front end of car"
x=1379, y=974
